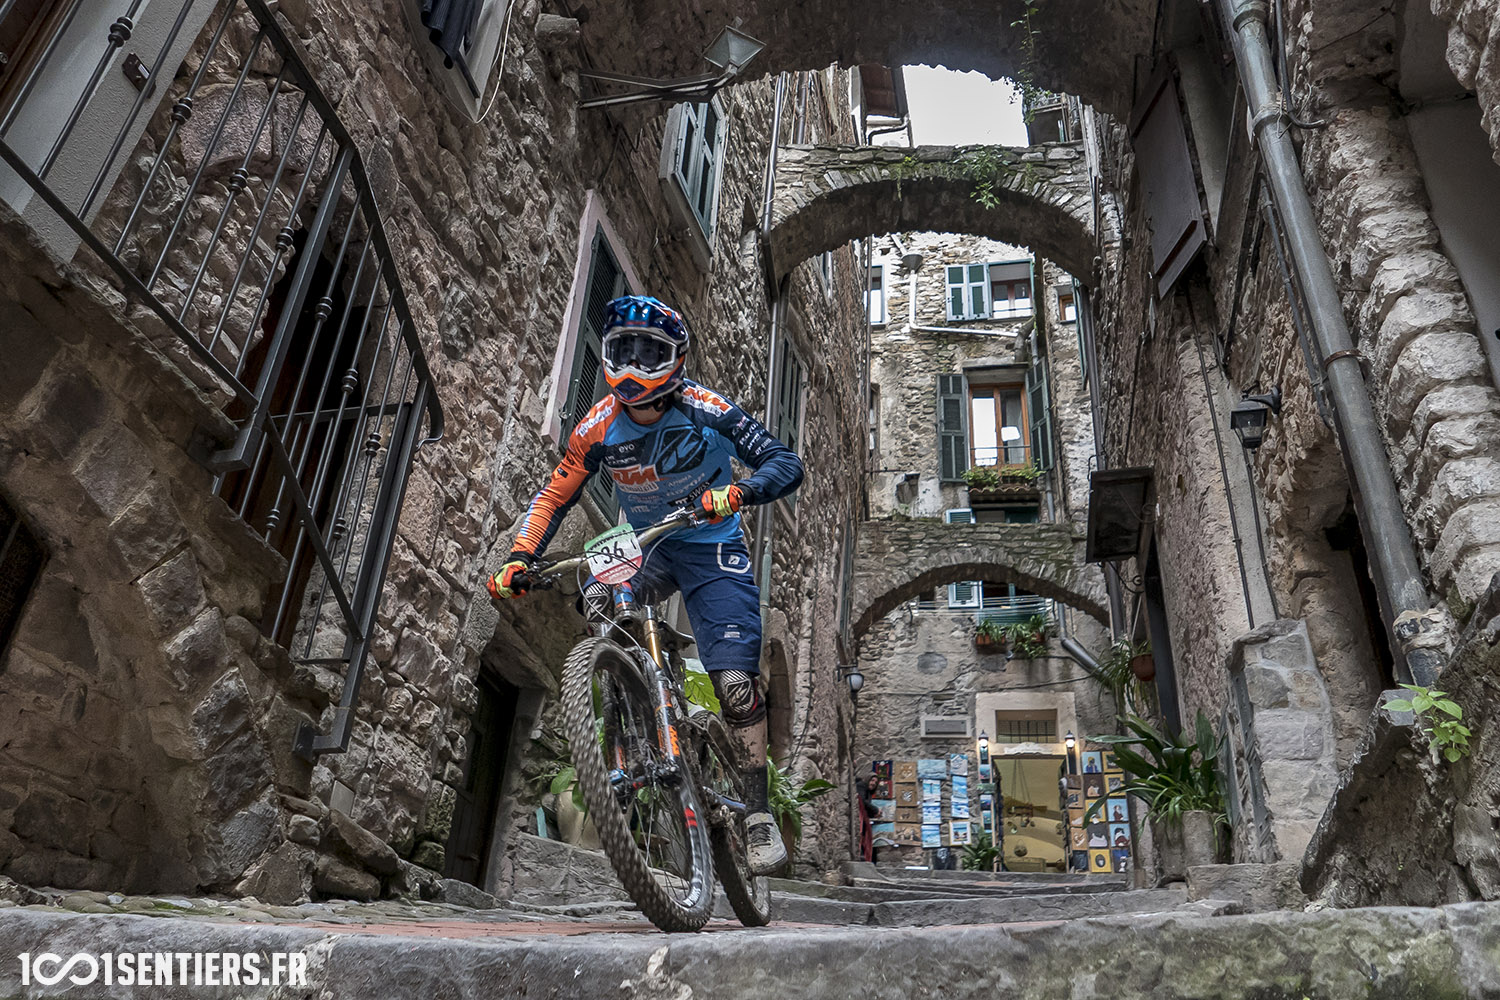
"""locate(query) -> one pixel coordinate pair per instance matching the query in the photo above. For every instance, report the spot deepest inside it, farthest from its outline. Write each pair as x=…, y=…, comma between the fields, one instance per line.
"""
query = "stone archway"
x=829, y=195
x=898, y=560
x=1088, y=49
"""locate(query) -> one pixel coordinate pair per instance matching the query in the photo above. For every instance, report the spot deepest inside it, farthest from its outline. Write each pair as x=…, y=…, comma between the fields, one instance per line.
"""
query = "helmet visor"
x=638, y=349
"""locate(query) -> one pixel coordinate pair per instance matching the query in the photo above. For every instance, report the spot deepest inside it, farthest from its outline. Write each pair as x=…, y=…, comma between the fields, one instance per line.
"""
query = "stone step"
x=882, y=870
x=954, y=887
x=793, y=908
x=1386, y=953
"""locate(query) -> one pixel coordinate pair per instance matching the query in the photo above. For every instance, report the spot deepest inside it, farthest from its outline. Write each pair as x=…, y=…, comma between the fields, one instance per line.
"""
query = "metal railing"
x=1003, y=609
x=228, y=202
x=1002, y=458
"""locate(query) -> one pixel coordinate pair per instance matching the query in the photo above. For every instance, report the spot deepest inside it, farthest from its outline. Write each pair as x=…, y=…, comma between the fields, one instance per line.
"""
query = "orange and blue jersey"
x=660, y=467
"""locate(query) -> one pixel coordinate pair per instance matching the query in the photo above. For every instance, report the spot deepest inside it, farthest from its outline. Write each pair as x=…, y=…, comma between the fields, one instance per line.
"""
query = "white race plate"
x=614, y=556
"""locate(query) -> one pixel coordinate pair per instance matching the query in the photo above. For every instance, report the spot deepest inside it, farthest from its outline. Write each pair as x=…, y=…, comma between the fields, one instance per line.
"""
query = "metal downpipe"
x=1398, y=575
x=778, y=290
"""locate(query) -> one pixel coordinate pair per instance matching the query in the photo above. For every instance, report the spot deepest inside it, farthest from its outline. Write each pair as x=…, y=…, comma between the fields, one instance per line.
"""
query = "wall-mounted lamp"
x=851, y=675
x=1070, y=741
x=729, y=54
x=1250, y=414
x=984, y=747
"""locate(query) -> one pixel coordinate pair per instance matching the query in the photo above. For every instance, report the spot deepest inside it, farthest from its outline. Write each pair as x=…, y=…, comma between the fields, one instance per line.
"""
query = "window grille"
x=1026, y=730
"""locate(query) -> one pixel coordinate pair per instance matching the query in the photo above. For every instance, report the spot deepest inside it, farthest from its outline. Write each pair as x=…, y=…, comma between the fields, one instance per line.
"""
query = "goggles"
x=639, y=349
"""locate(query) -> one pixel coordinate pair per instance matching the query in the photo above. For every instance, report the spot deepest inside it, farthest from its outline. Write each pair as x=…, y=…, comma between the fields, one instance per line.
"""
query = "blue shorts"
x=719, y=593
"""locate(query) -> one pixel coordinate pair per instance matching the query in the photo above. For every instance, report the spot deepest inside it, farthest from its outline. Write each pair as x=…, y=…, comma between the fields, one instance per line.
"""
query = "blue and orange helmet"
x=645, y=345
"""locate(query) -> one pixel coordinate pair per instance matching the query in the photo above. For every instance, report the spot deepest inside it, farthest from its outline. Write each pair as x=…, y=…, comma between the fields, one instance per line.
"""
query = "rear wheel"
x=749, y=895
x=644, y=808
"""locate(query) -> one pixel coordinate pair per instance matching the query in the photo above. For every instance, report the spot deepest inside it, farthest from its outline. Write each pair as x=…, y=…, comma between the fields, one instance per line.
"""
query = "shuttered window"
x=965, y=593
x=699, y=160
x=953, y=447
x=791, y=381
x=1038, y=402
x=586, y=385
x=875, y=297
x=968, y=291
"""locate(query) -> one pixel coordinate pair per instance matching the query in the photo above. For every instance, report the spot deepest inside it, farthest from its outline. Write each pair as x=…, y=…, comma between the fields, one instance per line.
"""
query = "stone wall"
x=484, y=222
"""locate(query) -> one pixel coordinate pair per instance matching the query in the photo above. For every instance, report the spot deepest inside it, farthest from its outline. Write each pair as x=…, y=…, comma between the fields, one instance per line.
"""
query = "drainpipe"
x=1073, y=648
x=778, y=292
x=1398, y=576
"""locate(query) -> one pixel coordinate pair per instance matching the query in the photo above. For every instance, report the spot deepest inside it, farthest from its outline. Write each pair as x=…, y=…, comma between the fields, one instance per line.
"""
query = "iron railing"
x=1002, y=609
x=229, y=203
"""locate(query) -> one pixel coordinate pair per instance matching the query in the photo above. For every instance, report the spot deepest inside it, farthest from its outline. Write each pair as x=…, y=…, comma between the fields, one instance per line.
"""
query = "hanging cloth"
x=449, y=24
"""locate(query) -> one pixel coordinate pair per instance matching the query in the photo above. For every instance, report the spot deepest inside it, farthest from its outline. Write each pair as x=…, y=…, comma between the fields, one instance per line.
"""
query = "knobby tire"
x=617, y=669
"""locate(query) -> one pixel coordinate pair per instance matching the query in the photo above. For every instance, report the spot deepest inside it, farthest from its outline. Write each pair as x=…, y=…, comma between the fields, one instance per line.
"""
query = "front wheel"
x=749, y=894
x=641, y=799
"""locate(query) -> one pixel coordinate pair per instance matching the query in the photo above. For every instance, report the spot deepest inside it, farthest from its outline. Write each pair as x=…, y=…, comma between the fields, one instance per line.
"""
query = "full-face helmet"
x=645, y=345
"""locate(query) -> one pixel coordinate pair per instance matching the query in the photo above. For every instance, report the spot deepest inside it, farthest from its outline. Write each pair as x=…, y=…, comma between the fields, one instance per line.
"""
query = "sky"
x=949, y=108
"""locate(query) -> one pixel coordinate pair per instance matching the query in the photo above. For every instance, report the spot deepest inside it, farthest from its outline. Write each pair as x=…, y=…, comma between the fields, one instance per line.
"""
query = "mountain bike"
x=658, y=773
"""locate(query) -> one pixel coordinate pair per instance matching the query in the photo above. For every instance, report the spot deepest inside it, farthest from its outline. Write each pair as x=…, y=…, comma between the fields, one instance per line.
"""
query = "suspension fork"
x=666, y=712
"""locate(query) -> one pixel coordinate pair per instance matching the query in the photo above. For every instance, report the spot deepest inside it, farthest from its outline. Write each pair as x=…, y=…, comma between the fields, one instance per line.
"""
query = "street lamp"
x=1070, y=741
x=984, y=747
x=728, y=54
x=850, y=673
x=1249, y=416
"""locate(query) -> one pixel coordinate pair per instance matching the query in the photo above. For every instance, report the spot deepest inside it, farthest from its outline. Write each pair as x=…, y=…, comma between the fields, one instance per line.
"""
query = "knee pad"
x=739, y=697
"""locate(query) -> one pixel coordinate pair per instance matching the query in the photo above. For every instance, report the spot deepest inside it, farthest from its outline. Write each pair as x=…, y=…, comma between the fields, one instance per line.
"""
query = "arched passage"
x=898, y=560
x=829, y=195
x=1087, y=49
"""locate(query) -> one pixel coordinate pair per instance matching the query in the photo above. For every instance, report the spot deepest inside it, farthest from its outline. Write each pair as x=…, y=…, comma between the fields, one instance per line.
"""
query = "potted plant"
x=1178, y=780
x=980, y=854
x=1127, y=659
x=989, y=633
x=786, y=799
x=1028, y=638
x=982, y=477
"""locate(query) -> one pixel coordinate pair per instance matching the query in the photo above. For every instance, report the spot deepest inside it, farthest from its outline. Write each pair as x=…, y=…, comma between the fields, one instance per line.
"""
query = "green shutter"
x=955, y=293
x=952, y=441
x=1041, y=414
x=586, y=385
x=979, y=292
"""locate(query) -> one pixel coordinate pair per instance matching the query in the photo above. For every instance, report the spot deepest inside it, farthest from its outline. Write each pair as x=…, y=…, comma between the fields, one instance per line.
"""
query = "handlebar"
x=545, y=576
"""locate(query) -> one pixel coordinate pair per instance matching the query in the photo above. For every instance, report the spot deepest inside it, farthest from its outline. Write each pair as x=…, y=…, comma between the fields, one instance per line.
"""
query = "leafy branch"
x=1440, y=718
x=1026, y=72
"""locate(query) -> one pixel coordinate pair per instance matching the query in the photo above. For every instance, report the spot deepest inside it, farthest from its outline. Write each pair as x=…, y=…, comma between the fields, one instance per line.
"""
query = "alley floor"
x=878, y=935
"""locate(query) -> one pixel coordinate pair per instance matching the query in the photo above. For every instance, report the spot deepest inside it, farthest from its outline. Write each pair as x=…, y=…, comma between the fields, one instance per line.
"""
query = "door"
x=484, y=772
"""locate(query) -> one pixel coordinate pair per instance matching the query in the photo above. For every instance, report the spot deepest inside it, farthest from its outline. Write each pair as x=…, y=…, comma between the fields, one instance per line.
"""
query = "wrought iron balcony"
x=188, y=149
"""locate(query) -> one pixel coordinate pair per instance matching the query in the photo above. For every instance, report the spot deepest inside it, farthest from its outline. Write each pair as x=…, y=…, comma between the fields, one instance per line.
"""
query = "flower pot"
x=1180, y=846
x=983, y=641
x=573, y=824
x=1143, y=666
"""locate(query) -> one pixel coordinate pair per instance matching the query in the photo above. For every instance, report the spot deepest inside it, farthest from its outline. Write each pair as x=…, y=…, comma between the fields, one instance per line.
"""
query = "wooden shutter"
x=956, y=292
x=1166, y=168
x=978, y=292
x=953, y=447
x=586, y=385
x=965, y=593
x=1041, y=413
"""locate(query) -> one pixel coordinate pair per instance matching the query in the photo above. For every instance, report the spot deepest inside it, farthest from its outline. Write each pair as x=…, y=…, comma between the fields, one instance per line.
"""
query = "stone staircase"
x=883, y=896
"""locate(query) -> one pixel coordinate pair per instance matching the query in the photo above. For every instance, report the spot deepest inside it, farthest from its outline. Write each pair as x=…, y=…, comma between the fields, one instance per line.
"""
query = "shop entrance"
x=1033, y=826
x=479, y=798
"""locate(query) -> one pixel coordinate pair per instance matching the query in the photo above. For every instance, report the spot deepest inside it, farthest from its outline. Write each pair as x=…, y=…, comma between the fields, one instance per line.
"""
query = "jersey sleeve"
x=778, y=470
x=552, y=503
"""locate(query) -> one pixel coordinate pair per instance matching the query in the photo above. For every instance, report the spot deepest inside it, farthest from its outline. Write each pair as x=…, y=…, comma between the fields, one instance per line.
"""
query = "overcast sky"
x=949, y=108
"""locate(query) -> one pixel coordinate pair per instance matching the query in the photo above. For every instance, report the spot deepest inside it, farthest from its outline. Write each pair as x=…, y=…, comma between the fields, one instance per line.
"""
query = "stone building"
x=286, y=369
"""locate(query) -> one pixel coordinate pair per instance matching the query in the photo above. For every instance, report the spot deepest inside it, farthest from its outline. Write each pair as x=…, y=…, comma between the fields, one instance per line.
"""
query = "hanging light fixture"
x=1250, y=415
x=729, y=53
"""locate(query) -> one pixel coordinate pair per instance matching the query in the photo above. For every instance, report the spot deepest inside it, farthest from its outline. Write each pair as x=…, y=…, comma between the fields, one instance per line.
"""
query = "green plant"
x=982, y=477
x=1026, y=72
x=1448, y=734
x=699, y=688
x=1115, y=666
x=980, y=854
x=1028, y=639
x=990, y=477
x=992, y=629
x=786, y=798
x=1164, y=774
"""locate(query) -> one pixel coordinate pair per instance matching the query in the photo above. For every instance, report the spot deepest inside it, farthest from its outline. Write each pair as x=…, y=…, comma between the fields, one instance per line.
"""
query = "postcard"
x=959, y=807
x=932, y=767
x=932, y=790
x=932, y=836
x=958, y=832
x=906, y=770
x=932, y=813
x=885, y=810
x=958, y=763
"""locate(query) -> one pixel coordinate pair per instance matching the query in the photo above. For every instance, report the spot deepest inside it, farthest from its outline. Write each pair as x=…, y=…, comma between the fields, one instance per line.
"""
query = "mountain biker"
x=667, y=441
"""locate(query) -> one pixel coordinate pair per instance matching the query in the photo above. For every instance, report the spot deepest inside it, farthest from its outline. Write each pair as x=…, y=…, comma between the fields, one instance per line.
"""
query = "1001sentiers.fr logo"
x=180, y=968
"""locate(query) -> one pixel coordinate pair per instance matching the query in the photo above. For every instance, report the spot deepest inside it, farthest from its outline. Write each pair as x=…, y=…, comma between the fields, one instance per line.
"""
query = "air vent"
x=944, y=726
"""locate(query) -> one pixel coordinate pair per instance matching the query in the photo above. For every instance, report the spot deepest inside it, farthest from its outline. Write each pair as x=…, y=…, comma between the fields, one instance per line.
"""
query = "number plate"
x=614, y=556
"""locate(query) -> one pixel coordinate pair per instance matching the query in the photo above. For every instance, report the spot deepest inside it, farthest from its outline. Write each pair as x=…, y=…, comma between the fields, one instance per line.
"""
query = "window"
x=586, y=385
x=691, y=164
x=791, y=381
x=825, y=270
x=874, y=424
x=1067, y=308
x=968, y=292
x=998, y=427
x=460, y=42
x=1025, y=727
x=953, y=449
x=1040, y=409
x=875, y=297
x=1010, y=290
x=21, y=559
x=965, y=593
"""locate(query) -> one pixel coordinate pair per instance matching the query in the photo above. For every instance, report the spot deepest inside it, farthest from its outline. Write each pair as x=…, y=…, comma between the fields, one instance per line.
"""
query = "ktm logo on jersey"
x=633, y=477
x=706, y=399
